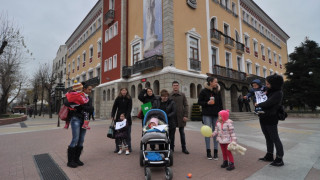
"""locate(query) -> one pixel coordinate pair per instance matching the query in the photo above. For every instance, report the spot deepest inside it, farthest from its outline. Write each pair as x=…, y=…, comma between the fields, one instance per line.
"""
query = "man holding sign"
x=259, y=92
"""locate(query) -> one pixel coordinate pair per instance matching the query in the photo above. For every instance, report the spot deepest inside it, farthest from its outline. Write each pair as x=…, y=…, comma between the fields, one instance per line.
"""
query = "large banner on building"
x=152, y=27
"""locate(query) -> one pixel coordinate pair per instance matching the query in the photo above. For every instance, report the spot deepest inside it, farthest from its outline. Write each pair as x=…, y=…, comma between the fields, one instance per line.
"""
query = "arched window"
x=108, y=95
x=139, y=88
x=156, y=87
x=192, y=90
x=133, y=91
x=104, y=95
x=112, y=94
x=147, y=85
x=199, y=87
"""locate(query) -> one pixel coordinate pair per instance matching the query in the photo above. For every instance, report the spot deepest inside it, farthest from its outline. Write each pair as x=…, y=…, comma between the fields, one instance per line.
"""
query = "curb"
x=12, y=120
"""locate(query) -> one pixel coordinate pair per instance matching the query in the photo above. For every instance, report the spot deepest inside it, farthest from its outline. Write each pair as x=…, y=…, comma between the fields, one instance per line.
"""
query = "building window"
x=112, y=94
x=110, y=63
x=90, y=74
x=262, y=50
x=84, y=59
x=91, y=54
x=228, y=60
x=255, y=47
x=84, y=77
x=239, y=63
x=108, y=95
x=99, y=48
x=226, y=29
x=214, y=56
x=264, y=72
x=237, y=36
x=104, y=95
x=98, y=72
x=78, y=62
x=249, y=67
x=111, y=4
x=106, y=36
x=257, y=70
x=213, y=23
x=275, y=58
x=271, y=71
x=105, y=65
x=99, y=22
x=280, y=60
x=115, y=61
x=234, y=8
x=111, y=32
x=193, y=47
x=194, y=51
x=199, y=88
x=192, y=90
x=156, y=87
x=136, y=53
x=115, y=29
x=73, y=66
x=139, y=88
x=69, y=67
x=247, y=43
x=133, y=91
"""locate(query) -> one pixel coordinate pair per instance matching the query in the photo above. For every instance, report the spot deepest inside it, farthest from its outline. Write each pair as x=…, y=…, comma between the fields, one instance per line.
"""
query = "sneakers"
x=209, y=154
x=230, y=167
x=120, y=151
x=127, y=152
x=224, y=164
x=267, y=158
x=277, y=162
x=86, y=125
x=215, y=154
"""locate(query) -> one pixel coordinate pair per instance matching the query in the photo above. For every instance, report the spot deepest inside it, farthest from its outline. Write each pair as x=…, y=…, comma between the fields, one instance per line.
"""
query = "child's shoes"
x=120, y=151
x=127, y=152
x=230, y=167
x=86, y=125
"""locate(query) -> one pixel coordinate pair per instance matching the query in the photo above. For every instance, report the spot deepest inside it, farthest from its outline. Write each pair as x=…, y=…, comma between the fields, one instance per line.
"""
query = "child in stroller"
x=155, y=132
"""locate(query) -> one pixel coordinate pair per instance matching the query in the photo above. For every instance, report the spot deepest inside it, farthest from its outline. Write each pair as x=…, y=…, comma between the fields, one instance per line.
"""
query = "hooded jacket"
x=253, y=90
x=273, y=103
x=204, y=97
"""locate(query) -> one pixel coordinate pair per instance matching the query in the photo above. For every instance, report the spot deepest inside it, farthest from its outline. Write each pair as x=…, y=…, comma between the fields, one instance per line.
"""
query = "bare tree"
x=11, y=79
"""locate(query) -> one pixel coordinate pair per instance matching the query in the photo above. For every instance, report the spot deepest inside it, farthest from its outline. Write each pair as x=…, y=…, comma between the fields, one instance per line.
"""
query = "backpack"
x=282, y=115
x=63, y=113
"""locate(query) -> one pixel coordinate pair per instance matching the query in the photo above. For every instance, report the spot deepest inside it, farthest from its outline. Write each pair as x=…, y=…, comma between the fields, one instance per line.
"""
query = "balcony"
x=155, y=61
x=228, y=73
x=126, y=71
x=270, y=61
x=109, y=17
x=248, y=50
x=228, y=42
x=256, y=54
x=264, y=57
x=195, y=64
x=215, y=36
x=93, y=81
x=240, y=47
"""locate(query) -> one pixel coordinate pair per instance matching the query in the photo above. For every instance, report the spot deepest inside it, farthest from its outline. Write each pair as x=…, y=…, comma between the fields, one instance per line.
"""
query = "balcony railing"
x=256, y=54
x=263, y=57
x=228, y=42
x=148, y=63
x=126, y=71
x=215, y=35
x=195, y=64
x=270, y=61
x=109, y=16
x=229, y=73
x=240, y=47
x=247, y=50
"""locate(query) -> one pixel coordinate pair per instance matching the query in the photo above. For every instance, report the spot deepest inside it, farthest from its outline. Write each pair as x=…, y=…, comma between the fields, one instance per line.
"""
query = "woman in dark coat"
x=269, y=120
x=211, y=102
x=145, y=96
x=123, y=104
x=168, y=106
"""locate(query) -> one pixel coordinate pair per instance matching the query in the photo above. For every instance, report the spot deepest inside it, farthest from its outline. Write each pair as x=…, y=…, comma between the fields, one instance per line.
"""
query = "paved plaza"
x=19, y=144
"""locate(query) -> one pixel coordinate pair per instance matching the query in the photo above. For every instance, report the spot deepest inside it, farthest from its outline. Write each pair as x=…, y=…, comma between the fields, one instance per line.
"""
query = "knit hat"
x=154, y=120
x=77, y=86
x=224, y=114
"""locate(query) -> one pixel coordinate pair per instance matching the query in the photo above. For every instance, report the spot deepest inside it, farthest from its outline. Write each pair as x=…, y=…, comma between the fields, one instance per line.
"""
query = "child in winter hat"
x=224, y=131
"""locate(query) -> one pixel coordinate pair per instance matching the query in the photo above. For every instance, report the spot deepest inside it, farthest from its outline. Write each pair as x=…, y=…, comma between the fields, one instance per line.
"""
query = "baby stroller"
x=156, y=158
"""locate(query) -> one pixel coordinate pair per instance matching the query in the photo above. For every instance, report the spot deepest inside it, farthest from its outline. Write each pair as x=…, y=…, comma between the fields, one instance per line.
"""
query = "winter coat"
x=145, y=98
x=170, y=110
x=78, y=110
x=252, y=91
x=273, y=103
x=122, y=105
x=204, y=97
x=182, y=107
x=225, y=132
x=123, y=132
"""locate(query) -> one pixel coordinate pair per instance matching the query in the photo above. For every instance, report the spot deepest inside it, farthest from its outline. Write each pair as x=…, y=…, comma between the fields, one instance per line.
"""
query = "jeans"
x=78, y=133
x=211, y=122
x=182, y=138
x=270, y=132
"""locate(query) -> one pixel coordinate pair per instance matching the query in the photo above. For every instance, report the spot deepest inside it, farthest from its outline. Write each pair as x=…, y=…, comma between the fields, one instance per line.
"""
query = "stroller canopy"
x=161, y=115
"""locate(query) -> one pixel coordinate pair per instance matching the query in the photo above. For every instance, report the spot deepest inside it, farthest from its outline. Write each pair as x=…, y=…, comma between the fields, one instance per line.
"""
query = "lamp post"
x=59, y=88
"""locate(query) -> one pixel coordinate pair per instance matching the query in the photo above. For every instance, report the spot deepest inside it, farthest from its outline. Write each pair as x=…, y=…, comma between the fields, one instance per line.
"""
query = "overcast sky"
x=47, y=24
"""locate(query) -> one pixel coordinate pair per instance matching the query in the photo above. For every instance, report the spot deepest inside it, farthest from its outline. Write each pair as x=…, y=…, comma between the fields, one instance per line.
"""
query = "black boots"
x=209, y=154
x=224, y=164
x=77, y=156
x=71, y=157
x=184, y=150
x=267, y=158
x=215, y=154
x=230, y=167
x=277, y=162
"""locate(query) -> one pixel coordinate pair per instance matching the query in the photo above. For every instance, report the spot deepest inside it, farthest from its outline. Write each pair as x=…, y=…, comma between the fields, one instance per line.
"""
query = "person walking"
x=123, y=104
x=211, y=102
x=168, y=106
x=77, y=120
x=145, y=96
x=269, y=120
x=182, y=108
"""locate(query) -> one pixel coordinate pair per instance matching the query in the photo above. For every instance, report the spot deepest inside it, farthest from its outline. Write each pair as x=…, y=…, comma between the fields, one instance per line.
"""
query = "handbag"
x=63, y=113
x=282, y=115
x=139, y=114
x=111, y=130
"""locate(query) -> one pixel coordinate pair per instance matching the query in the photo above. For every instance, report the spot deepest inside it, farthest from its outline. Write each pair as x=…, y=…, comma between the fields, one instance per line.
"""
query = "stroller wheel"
x=169, y=174
x=171, y=158
x=147, y=174
x=141, y=158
